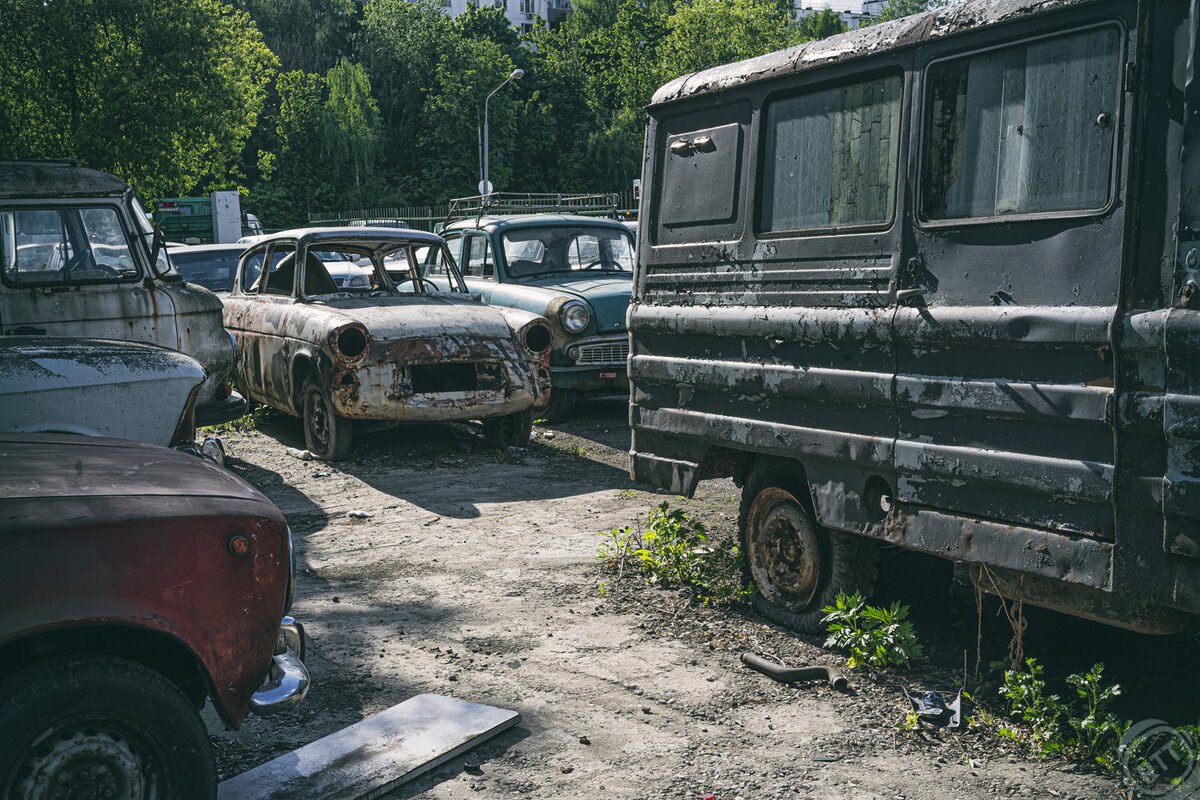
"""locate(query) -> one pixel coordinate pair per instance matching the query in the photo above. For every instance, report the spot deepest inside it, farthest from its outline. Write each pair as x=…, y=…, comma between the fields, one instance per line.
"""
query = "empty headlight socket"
x=350, y=343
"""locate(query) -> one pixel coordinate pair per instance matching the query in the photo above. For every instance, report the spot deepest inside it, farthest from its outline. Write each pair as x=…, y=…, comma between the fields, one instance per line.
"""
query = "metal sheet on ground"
x=376, y=755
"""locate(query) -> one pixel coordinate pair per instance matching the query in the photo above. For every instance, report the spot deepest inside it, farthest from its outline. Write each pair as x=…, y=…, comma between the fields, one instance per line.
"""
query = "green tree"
x=895, y=9
x=709, y=33
x=351, y=129
x=308, y=35
x=299, y=181
x=821, y=24
x=163, y=94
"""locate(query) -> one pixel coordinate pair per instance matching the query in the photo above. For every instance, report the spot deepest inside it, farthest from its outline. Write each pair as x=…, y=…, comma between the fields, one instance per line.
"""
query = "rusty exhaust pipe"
x=789, y=675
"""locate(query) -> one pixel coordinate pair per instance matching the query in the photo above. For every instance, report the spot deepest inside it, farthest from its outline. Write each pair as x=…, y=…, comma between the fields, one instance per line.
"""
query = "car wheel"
x=101, y=727
x=326, y=434
x=797, y=567
x=562, y=403
x=513, y=430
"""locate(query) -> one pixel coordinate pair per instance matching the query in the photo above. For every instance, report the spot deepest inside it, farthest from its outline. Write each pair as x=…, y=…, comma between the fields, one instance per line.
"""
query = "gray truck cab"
x=932, y=283
x=78, y=259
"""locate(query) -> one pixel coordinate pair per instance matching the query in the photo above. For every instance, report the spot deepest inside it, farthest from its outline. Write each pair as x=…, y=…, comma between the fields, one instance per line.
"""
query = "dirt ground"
x=475, y=576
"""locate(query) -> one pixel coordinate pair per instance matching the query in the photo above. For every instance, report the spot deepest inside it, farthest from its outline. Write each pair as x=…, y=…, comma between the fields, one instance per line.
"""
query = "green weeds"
x=874, y=636
x=673, y=550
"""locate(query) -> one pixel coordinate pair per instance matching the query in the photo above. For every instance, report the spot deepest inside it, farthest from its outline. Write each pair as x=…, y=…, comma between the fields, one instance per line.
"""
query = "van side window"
x=66, y=246
x=830, y=157
x=1022, y=129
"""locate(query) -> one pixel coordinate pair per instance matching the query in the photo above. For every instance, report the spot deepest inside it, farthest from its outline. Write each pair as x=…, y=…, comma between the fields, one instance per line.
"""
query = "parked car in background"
x=78, y=257
x=209, y=265
x=401, y=349
x=98, y=387
x=575, y=270
x=139, y=583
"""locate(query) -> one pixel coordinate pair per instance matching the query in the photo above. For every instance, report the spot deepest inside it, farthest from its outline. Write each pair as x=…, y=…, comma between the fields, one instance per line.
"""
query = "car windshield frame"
x=378, y=251
x=519, y=267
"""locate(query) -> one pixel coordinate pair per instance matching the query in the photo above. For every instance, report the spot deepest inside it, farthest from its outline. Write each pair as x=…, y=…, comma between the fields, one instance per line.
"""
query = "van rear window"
x=1023, y=129
x=830, y=157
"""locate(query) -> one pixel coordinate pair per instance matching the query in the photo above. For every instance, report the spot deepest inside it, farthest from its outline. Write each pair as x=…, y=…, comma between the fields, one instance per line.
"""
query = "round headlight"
x=573, y=353
x=575, y=316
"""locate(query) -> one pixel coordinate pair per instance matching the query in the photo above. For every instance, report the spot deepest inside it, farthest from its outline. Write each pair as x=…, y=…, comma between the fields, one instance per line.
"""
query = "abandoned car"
x=102, y=387
x=141, y=582
x=573, y=269
x=401, y=349
x=209, y=265
x=78, y=257
x=933, y=283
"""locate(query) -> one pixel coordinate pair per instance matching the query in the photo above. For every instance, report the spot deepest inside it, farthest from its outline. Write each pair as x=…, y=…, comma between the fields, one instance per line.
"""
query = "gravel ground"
x=475, y=576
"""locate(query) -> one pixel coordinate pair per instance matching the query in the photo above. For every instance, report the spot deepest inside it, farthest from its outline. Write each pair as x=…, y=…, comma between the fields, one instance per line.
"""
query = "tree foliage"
x=377, y=103
x=164, y=94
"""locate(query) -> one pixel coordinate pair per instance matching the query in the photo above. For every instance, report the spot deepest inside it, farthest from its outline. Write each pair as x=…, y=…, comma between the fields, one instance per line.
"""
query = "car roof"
x=206, y=248
x=51, y=179
x=501, y=221
x=353, y=235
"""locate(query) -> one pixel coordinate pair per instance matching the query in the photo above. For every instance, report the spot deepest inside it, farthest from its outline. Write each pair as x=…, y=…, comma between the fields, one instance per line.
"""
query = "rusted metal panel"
x=282, y=339
x=1020, y=384
x=142, y=507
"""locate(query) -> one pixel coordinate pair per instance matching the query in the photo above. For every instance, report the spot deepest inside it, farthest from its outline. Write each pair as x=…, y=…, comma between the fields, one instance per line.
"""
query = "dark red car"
x=135, y=582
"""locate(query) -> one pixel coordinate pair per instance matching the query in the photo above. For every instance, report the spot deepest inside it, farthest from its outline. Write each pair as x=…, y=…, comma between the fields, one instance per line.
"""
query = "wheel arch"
x=154, y=650
x=304, y=365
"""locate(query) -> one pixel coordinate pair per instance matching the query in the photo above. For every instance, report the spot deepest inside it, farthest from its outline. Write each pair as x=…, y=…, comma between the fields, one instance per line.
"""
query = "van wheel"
x=326, y=434
x=101, y=727
x=797, y=566
x=511, y=430
x=562, y=403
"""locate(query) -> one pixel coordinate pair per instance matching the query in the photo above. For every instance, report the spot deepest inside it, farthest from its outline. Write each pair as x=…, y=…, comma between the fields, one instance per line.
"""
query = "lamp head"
x=517, y=74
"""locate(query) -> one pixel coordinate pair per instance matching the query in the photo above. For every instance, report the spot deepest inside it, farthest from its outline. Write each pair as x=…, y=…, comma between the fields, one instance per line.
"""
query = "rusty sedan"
x=400, y=349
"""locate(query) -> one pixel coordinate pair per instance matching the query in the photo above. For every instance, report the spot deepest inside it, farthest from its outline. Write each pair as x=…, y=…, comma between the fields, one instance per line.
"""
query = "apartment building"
x=521, y=13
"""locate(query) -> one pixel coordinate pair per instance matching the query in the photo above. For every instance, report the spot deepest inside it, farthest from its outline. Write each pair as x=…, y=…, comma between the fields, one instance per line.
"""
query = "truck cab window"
x=831, y=157
x=1023, y=129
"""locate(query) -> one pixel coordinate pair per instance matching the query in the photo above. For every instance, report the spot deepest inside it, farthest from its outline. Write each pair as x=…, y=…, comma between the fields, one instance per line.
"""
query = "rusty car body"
x=543, y=254
x=78, y=257
x=933, y=283
x=139, y=582
x=395, y=351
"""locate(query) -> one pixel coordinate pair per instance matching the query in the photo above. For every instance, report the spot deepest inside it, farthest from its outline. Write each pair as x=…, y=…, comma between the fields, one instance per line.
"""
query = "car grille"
x=614, y=352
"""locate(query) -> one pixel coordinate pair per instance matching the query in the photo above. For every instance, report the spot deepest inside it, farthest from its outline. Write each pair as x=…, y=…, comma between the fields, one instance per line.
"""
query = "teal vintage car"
x=575, y=270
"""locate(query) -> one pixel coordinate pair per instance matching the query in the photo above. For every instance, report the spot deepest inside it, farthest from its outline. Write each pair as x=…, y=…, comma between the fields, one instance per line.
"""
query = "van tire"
x=326, y=435
x=792, y=586
x=99, y=724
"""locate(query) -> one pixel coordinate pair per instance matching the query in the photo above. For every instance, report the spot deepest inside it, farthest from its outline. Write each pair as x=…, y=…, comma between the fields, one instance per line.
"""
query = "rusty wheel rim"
x=318, y=420
x=92, y=756
x=784, y=552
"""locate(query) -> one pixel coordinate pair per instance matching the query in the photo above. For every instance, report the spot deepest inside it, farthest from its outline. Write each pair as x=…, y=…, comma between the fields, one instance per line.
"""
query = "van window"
x=66, y=246
x=1022, y=129
x=831, y=156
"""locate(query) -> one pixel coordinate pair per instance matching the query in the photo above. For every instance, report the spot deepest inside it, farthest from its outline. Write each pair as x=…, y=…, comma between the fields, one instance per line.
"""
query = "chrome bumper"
x=286, y=683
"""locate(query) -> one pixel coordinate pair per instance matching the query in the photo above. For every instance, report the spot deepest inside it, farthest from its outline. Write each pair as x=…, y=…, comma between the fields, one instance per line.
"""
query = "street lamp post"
x=485, y=186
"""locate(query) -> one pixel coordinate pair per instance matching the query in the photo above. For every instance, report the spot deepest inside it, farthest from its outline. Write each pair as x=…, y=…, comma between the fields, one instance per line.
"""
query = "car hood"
x=41, y=466
x=608, y=296
x=413, y=317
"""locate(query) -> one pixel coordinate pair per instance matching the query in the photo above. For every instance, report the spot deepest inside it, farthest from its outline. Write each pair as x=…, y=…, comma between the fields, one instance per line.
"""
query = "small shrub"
x=1081, y=727
x=673, y=551
x=874, y=636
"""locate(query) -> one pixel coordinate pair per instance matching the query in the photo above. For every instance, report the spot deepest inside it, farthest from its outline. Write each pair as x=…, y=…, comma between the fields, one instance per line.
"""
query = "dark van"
x=933, y=283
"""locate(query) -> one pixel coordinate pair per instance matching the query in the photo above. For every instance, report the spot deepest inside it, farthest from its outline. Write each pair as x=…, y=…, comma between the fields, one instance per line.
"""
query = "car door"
x=257, y=323
x=478, y=266
x=1010, y=282
x=72, y=270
